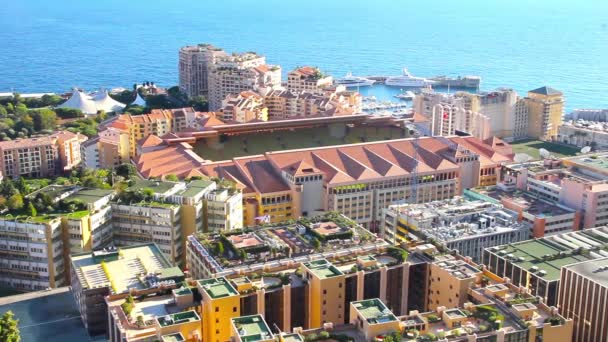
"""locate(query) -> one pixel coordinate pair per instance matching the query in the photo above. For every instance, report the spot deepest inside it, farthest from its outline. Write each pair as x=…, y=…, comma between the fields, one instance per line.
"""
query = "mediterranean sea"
x=53, y=45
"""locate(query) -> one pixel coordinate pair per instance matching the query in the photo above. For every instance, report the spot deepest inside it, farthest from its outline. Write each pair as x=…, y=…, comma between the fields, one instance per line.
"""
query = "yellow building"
x=220, y=303
x=251, y=329
x=186, y=325
x=373, y=318
x=326, y=293
x=449, y=281
x=545, y=112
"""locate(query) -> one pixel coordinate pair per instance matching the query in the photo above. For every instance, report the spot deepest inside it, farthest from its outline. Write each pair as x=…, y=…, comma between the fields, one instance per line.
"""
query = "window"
x=234, y=309
x=217, y=309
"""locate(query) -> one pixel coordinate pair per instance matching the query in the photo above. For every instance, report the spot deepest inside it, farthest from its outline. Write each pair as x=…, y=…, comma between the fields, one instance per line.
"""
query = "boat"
x=407, y=80
x=351, y=81
x=408, y=95
x=457, y=82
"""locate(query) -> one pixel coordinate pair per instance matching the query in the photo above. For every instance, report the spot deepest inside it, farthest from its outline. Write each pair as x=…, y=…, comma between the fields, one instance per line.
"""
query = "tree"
x=15, y=202
x=51, y=100
x=32, y=210
x=219, y=248
x=316, y=244
x=3, y=112
x=126, y=170
x=9, y=331
x=2, y=202
x=68, y=113
x=171, y=178
x=126, y=96
x=199, y=103
x=44, y=119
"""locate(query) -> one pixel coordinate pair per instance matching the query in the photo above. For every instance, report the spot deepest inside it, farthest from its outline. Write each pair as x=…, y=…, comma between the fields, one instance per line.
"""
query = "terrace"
x=262, y=245
x=217, y=288
x=457, y=268
x=177, y=337
x=323, y=269
x=252, y=328
x=124, y=269
x=178, y=318
x=374, y=311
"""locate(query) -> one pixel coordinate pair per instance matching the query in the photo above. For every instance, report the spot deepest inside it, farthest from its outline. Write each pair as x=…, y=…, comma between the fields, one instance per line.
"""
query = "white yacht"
x=351, y=81
x=407, y=80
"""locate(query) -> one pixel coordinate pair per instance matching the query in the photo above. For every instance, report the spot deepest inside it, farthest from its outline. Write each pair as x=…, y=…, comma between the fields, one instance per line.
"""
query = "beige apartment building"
x=583, y=298
x=233, y=74
x=449, y=113
x=449, y=280
x=309, y=79
x=584, y=133
x=194, y=63
x=545, y=107
x=44, y=156
x=243, y=107
x=285, y=104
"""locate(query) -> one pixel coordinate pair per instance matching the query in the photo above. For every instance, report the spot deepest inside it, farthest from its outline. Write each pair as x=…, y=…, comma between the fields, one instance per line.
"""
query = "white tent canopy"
x=104, y=102
x=91, y=105
x=139, y=101
x=80, y=101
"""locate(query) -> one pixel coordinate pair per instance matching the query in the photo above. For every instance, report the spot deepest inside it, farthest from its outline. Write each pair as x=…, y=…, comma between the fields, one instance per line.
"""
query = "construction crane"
x=416, y=134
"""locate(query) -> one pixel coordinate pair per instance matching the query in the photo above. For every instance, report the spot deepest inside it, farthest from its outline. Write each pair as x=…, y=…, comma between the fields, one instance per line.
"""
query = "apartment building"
x=583, y=298
x=243, y=107
x=449, y=114
x=123, y=271
x=220, y=304
x=156, y=317
x=449, y=281
x=373, y=318
x=454, y=224
x=32, y=251
x=308, y=79
x=499, y=106
x=584, y=133
x=545, y=107
x=286, y=104
x=359, y=180
x=251, y=329
x=44, y=156
x=233, y=74
x=155, y=220
x=193, y=66
x=578, y=182
x=224, y=209
x=535, y=264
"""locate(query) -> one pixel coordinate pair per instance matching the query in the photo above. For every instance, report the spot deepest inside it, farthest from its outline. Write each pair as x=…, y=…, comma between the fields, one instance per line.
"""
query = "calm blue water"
x=50, y=45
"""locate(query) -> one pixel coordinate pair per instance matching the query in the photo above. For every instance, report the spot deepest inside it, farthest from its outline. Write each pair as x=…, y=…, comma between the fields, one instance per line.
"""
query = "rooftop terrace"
x=217, y=288
x=178, y=318
x=374, y=311
x=157, y=186
x=194, y=188
x=458, y=268
x=89, y=196
x=252, y=328
x=323, y=269
x=533, y=205
x=134, y=267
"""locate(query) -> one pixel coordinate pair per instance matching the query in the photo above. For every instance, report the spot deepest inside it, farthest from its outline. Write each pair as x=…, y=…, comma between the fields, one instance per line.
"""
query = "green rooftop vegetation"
x=258, y=143
x=157, y=187
x=531, y=147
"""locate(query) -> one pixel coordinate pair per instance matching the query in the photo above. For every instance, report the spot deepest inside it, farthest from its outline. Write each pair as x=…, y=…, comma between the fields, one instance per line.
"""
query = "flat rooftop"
x=597, y=161
x=533, y=205
x=595, y=270
x=178, y=318
x=252, y=328
x=194, y=188
x=323, y=269
x=217, y=287
x=245, y=241
x=456, y=267
x=177, y=337
x=90, y=195
x=158, y=187
x=292, y=338
x=327, y=228
x=374, y=311
x=544, y=257
x=50, y=316
x=124, y=268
